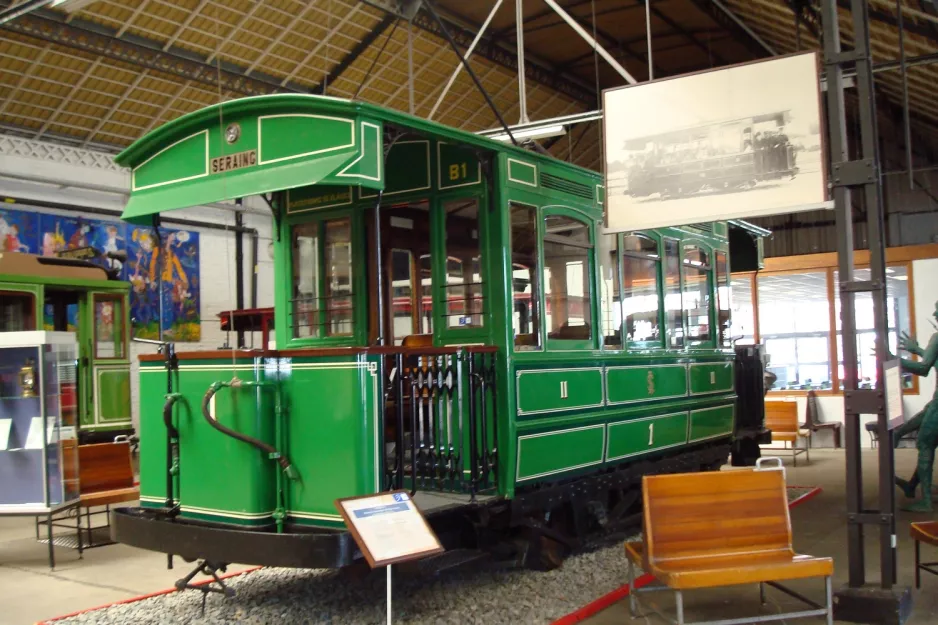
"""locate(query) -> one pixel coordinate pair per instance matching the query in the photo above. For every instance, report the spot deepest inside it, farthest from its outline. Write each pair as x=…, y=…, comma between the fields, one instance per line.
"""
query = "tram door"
x=408, y=279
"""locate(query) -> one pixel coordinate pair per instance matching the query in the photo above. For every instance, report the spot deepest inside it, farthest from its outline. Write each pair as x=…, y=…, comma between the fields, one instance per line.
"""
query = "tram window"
x=723, y=299
x=322, y=279
x=524, y=277
x=17, y=312
x=611, y=304
x=109, y=327
x=673, y=311
x=567, y=251
x=403, y=311
x=640, y=289
x=696, y=295
x=463, y=287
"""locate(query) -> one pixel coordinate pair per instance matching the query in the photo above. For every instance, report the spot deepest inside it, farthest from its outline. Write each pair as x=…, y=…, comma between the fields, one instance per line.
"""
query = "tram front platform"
x=819, y=527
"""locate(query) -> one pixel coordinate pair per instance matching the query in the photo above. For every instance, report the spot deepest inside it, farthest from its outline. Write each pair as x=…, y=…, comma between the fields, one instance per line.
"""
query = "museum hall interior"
x=517, y=311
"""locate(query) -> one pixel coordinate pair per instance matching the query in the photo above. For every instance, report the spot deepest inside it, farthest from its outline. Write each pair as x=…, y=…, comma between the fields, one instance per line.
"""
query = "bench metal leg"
x=830, y=600
x=51, y=552
x=762, y=593
x=918, y=570
x=679, y=606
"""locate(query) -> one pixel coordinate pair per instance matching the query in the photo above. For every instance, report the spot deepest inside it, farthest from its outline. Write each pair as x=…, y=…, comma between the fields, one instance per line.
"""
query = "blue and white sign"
x=389, y=528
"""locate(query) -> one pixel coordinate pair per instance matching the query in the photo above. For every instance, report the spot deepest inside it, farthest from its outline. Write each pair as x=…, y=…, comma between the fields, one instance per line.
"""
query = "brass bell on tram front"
x=28, y=378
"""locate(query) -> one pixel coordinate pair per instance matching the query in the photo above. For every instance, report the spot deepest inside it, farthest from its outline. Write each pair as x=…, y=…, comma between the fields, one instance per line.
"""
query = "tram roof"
x=270, y=143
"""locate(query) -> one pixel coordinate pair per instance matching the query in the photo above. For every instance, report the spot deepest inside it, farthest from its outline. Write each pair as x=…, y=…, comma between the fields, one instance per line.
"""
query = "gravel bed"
x=483, y=591
x=479, y=592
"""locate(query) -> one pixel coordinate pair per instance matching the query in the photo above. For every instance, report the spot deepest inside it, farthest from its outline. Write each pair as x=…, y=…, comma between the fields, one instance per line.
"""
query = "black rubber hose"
x=168, y=417
x=259, y=444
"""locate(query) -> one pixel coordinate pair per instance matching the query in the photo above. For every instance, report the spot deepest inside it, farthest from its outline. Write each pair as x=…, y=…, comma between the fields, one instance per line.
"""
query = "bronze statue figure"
x=926, y=422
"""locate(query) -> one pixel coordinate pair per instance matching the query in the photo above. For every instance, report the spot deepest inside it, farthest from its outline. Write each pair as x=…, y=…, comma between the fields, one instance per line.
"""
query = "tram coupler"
x=216, y=584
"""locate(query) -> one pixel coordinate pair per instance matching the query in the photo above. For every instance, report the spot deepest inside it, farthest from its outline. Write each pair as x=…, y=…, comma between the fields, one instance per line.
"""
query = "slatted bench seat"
x=924, y=532
x=781, y=417
x=722, y=528
x=105, y=477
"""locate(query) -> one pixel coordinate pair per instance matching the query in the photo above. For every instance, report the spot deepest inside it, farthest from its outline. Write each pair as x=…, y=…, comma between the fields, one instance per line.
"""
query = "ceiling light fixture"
x=532, y=133
x=69, y=6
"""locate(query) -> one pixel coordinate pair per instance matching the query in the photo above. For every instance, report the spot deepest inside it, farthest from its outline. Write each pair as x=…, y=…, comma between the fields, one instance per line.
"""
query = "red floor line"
x=165, y=591
x=811, y=494
x=603, y=602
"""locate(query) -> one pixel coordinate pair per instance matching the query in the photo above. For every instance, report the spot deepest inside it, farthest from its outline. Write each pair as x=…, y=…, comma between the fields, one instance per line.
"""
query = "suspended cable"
x=374, y=61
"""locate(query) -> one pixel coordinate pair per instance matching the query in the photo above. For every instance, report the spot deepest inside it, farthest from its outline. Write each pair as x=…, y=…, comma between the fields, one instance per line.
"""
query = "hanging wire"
x=599, y=96
x=224, y=180
x=374, y=61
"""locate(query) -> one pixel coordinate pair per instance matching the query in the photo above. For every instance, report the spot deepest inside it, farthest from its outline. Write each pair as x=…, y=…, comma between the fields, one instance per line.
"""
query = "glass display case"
x=38, y=422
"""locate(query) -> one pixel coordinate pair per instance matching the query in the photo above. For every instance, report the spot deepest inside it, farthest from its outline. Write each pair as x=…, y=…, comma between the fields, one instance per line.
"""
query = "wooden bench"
x=781, y=417
x=105, y=477
x=721, y=528
x=924, y=532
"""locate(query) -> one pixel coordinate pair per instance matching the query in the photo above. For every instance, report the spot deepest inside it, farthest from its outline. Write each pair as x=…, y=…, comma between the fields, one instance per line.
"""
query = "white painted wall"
x=831, y=408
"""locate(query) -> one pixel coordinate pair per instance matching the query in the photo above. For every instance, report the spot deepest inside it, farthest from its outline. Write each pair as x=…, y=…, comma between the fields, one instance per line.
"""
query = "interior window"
x=524, y=276
x=108, y=327
x=322, y=279
x=567, y=250
x=463, y=288
x=403, y=311
x=338, y=277
x=673, y=311
x=17, y=312
x=611, y=304
x=640, y=289
x=723, y=299
x=426, y=295
x=696, y=295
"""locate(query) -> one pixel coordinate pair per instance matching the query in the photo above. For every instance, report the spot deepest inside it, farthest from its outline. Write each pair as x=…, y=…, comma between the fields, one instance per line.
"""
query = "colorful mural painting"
x=172, y=258
x=172, y=261
x=18, y=231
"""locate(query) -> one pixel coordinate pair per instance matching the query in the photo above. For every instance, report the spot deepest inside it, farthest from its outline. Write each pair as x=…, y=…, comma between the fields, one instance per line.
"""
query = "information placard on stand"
x=389, y=528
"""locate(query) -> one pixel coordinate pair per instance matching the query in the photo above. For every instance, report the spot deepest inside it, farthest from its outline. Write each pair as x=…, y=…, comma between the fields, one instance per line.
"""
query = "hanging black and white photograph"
x=710, y=146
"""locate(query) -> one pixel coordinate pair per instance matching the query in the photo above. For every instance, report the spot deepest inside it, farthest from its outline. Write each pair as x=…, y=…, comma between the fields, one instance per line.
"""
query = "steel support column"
x=861, y=172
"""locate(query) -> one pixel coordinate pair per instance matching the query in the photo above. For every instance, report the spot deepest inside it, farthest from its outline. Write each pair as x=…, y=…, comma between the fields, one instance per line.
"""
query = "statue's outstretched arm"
x=929, y=357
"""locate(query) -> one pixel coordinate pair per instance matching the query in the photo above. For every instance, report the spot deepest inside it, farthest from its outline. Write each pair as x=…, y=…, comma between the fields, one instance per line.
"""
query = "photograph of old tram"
x=709, y=144
x=729, y=155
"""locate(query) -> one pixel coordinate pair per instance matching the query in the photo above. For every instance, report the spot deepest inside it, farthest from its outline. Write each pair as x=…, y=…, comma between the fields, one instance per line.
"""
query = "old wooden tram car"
x=65, y=295
x=449, y=319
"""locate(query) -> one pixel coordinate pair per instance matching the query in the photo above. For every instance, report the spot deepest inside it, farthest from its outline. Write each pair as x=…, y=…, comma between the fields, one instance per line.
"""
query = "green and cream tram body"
x=450, y=319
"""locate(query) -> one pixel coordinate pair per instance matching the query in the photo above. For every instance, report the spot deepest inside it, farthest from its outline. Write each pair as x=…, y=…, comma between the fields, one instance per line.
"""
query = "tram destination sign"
x=742, y=141
x=388, y=528
x=230, y=162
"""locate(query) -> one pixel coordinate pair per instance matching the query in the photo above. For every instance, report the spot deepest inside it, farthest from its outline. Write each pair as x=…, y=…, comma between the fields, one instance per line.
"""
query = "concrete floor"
x=818, y=528
x=32, y=592
x=117, y=572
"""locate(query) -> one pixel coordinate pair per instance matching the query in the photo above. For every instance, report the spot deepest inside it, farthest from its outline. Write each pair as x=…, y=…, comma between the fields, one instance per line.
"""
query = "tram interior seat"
x=567, y=331
x=417, y=340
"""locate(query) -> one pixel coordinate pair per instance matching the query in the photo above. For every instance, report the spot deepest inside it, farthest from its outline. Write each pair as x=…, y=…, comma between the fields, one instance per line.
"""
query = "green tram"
x=65, y=295
x=449, y=319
